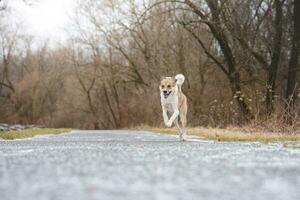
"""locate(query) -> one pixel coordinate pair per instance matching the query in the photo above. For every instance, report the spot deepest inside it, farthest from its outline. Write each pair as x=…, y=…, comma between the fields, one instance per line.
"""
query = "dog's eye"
x=162, y=86
x=169, y=86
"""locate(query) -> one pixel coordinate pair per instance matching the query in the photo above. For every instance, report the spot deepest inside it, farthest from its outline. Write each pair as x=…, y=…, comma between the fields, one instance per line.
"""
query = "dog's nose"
x=165, y=92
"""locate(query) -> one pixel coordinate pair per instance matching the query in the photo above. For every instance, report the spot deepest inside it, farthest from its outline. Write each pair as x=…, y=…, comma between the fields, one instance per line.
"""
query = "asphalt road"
x=127, y=165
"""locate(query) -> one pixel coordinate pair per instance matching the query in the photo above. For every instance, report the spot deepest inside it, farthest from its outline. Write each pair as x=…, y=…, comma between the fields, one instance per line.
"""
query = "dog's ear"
x=174, y=79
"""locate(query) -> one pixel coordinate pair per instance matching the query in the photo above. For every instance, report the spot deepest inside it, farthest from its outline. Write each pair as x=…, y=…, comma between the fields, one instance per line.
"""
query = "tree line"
x=240, y=58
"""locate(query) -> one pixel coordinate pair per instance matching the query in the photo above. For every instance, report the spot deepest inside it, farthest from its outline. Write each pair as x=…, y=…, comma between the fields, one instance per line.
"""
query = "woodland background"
x=240, y=59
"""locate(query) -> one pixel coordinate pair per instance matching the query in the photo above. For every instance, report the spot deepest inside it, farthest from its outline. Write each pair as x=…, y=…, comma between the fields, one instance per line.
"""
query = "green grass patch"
x=10, y=135
x=230, y=134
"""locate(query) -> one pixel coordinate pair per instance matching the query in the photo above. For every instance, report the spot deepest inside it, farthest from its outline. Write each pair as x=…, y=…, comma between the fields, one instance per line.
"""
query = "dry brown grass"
x=229, y=134
x=10, y=135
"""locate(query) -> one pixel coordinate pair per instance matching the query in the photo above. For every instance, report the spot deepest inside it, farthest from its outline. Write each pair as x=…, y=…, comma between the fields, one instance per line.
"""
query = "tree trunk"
x=233, y=74
x=240, y=97
x=219, y=34
x=273, y=68
x=293, y=63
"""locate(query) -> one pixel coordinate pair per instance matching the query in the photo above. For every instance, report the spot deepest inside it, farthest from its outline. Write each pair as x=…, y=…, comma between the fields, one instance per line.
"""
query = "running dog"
x=174, y=101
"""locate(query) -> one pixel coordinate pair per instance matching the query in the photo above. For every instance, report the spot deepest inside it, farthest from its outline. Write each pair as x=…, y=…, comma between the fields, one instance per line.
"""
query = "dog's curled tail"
x=179, y=80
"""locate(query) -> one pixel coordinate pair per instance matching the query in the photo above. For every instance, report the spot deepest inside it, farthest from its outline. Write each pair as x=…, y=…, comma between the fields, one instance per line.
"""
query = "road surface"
x=132, y=165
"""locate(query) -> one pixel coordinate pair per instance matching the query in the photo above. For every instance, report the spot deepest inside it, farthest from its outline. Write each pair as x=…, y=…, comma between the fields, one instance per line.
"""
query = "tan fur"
x=168, y=81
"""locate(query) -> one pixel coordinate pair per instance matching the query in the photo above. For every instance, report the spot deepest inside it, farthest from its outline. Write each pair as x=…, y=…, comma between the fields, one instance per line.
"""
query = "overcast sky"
x=45, y=19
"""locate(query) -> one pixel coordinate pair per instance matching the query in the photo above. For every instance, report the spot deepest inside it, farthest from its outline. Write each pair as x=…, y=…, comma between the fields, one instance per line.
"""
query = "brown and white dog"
x=174, y=101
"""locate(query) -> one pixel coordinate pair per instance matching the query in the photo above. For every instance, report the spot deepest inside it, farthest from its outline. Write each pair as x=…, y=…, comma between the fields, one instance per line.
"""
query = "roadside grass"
x=10, y=135
x=229, y=134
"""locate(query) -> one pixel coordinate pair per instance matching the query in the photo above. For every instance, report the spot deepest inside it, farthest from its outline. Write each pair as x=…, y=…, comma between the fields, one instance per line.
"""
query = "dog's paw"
x=182, y=138
x=169, y=124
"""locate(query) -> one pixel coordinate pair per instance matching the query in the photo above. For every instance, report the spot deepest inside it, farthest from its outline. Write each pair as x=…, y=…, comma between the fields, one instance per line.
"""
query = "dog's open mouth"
x=166, y=95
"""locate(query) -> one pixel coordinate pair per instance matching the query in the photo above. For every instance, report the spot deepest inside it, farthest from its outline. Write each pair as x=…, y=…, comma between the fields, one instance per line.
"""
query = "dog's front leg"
x=165, y=116
x=172, y=119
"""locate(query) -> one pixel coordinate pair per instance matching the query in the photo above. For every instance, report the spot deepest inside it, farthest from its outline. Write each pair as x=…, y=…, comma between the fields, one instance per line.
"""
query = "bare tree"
x=292, y=84
x=8, y=42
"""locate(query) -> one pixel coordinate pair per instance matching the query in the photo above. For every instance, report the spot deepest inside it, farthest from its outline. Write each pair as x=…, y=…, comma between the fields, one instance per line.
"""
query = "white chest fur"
x=170, y=103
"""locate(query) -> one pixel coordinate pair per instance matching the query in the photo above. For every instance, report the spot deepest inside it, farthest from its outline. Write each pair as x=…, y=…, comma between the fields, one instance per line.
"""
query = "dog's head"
x=167, y=86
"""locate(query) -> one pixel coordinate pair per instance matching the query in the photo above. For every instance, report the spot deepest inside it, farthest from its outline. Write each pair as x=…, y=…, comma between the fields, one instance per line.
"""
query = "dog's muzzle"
x=166, y=93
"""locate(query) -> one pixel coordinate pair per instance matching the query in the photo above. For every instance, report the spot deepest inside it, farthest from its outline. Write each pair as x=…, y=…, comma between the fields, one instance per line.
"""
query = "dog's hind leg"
x=183, y=122
x=179, y=129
